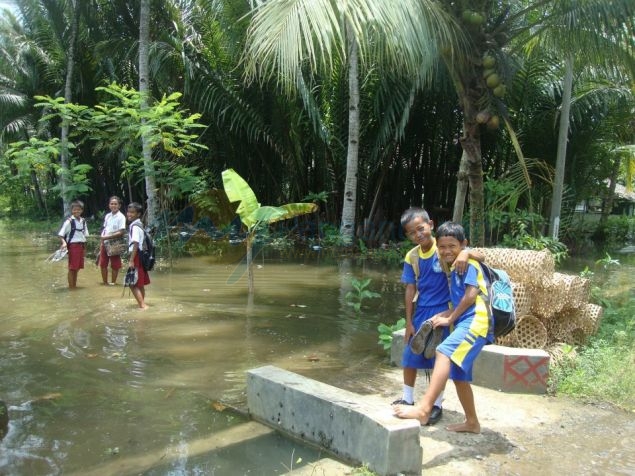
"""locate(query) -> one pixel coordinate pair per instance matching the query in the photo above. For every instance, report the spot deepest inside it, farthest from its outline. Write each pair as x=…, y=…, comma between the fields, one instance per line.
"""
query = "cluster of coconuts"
x=494, y=83
x=472, y=18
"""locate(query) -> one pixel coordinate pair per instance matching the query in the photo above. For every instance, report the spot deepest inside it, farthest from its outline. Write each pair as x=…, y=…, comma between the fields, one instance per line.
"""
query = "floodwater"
x=95, y=385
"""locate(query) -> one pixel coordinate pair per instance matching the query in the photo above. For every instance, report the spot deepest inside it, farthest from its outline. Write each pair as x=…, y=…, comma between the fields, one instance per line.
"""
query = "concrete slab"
x=352, y=427
x=507, y=369
x=142, y=464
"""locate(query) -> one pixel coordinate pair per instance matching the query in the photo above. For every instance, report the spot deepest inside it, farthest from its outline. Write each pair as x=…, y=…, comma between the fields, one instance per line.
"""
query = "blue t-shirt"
x=476, y=313
x=432, y=283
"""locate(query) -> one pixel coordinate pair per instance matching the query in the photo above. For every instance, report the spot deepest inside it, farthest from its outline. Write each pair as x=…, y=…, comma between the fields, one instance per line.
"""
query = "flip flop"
x=59, y=255
x=432, y=342
x=419, y=340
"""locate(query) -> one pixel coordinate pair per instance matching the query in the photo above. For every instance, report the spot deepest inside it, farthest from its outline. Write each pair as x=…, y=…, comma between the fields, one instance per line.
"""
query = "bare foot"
x=465, y=427
x=143, y=308
x=411, y=411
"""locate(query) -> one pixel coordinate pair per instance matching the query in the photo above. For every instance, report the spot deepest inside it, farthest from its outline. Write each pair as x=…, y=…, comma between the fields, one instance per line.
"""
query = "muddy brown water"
x=95, y=386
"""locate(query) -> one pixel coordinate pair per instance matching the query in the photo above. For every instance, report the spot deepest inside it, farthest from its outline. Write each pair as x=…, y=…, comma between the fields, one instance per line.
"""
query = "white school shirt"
x=81, y=230
x=136, y=234
x=113, y=223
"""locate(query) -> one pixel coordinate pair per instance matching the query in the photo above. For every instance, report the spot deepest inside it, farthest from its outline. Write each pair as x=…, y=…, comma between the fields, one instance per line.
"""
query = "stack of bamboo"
x=551, y=307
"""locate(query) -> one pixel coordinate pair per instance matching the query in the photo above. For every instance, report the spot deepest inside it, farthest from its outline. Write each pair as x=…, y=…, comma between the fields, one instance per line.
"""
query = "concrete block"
x=507, y=369
x=512, y=370
x=352, y=427
x=396, y=349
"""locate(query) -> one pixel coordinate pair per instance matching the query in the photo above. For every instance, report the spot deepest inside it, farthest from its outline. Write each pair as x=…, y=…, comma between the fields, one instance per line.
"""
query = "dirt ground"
x=520, y=434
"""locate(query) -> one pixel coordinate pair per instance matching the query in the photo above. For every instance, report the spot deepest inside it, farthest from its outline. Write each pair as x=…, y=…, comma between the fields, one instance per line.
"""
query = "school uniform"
x=136, y=234
x=113, y=222
x=75, y=231
x=473, y=329
x=433, y=298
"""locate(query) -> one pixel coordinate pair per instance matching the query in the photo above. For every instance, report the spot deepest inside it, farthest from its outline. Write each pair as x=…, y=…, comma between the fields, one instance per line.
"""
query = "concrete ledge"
x=507, y=369
x=350, y=426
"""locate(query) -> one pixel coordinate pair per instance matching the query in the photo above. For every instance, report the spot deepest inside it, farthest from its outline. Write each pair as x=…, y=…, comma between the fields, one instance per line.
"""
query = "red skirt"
x=144, y=277
x=76, y=256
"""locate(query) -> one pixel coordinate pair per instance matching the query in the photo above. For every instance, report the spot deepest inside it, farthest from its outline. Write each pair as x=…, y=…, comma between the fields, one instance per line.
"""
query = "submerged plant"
x=356, y=297
x=607, y=262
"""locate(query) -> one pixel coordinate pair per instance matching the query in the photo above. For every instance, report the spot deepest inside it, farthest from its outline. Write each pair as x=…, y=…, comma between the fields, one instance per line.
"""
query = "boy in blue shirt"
x=472, y=329
x=427, y=294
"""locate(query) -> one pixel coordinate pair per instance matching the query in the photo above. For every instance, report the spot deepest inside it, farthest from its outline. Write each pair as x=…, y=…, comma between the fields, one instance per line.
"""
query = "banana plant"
x=252, y=214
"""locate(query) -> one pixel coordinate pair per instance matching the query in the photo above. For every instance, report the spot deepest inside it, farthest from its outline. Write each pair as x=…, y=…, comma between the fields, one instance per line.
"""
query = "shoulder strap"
x=413, y=254
x=145, y=235
x=72, y=232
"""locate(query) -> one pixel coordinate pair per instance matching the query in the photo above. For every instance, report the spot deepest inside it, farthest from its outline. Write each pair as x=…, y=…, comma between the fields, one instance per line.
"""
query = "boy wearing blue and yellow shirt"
x=471, y=330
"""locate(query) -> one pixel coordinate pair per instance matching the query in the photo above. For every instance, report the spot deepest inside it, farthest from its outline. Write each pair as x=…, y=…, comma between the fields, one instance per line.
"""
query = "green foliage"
x=39, y=157
x=616, y=232
x=603, y=369
x=386, y=331
x=522, y=240
x=331, y=235
x=360, y=293
x=251, y=213
x=316, y=197
x=607, y=262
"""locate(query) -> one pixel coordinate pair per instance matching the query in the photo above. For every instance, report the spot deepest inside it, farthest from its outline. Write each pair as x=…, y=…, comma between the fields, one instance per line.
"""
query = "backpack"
x=500, y=300
x=147, y=255
x=70, y=235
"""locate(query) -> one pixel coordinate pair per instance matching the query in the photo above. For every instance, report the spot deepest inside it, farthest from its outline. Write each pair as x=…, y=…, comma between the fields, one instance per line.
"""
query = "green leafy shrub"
x=386, y=331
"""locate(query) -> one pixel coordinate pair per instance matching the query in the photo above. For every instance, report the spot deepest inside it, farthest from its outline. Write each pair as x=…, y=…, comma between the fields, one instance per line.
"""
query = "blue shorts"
x=418, y=361
x=462, y=347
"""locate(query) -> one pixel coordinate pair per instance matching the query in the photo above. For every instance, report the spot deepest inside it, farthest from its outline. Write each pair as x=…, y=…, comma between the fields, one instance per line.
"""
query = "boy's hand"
x=441, y=319
x=410, y=331
x=460, y=263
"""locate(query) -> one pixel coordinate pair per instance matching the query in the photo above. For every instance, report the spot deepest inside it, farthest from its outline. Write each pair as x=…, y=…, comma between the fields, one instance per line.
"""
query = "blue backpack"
x=500, y=300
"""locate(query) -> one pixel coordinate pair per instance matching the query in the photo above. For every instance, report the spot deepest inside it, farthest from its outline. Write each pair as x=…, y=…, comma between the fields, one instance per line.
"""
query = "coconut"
x=488, y=61
x=493, y=123
x=499, y=91
x=488, y=72
x=492, y=80
x=482, y=117
x=476, y=19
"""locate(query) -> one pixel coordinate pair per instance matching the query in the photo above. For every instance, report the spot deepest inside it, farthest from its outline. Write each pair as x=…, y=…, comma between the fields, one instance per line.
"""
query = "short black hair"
x=412, y=213
x=137, y=207
x=450, y=228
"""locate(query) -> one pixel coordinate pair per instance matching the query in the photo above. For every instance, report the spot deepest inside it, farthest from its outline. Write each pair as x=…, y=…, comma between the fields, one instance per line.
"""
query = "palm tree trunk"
x=607, y=205
x=65, y=176
x=471, y=143
x=144, y=88
x=461, y=190
x=347, y=228
x=561, y=156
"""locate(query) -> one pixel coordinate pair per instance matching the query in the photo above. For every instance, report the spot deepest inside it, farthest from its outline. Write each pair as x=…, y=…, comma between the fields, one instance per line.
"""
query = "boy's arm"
x=62, y=234
x=460, y=263
x=411, y=290
x=469, y=298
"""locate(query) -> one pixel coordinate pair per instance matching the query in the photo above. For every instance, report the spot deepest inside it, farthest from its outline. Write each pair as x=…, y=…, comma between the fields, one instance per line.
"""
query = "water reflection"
x=95, y=385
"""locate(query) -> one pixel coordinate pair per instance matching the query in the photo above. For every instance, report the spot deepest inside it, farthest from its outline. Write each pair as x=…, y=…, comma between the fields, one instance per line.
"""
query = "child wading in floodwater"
x=136, y=236
x=73, y=235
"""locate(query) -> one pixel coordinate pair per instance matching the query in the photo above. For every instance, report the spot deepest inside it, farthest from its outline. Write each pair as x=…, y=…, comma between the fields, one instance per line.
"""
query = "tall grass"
x=603, y=370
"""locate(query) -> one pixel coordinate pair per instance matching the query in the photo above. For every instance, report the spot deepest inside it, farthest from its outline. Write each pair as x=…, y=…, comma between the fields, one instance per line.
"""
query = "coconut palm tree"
x=490, y=27
x=287, y=38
